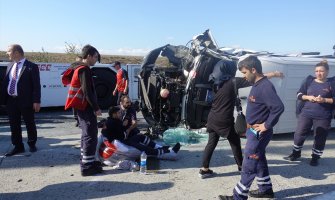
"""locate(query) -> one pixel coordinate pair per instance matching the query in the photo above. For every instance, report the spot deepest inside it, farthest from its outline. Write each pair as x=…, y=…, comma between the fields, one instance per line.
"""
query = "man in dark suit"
x=21, y=93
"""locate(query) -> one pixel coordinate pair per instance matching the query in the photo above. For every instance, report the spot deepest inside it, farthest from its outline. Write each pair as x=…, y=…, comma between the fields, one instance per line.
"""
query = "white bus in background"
x=53, y=92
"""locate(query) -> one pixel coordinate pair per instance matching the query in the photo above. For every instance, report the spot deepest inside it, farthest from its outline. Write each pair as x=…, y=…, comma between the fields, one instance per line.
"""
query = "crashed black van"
x=181, y=93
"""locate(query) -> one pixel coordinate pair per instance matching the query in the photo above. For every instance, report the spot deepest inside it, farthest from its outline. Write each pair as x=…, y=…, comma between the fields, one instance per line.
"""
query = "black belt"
x=13, y=96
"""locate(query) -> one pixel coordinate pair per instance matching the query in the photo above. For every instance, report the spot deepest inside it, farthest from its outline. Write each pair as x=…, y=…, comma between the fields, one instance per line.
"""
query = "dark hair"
x=18, y=48
x=117, y=63
x=123, y=97
x=112, y=110
x=324, y=64
x=88, y=50
x=249, y=63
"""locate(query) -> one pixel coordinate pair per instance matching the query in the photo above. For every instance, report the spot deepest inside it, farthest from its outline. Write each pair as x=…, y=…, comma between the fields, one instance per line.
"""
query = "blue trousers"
x=89, y=136
x=304, y=126
x=254, y=164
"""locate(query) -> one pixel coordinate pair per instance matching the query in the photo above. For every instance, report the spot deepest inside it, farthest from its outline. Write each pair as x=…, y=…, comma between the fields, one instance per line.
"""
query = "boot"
x=294, y=155
x=315, y=160
x=176, y=148
x=258, y=194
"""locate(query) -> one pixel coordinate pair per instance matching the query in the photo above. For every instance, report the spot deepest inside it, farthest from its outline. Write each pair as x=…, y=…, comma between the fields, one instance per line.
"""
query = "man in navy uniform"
x=263, y=111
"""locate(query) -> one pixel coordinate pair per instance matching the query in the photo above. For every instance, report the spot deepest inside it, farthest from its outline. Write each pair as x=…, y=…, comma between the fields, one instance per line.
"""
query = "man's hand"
x=125, y=91
x=114, y=92
x=36, y=107
x=260, y=127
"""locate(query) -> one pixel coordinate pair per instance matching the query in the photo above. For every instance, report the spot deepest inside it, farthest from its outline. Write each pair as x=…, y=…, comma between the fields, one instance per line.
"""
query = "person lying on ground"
x=114, y=130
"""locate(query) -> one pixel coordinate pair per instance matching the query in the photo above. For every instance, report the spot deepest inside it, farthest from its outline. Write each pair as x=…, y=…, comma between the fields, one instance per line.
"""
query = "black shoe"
x=14, y=151
x=222, y=197
x=314, y=161
x=205, y=174
x=32, y=148
x=91, y=171
x=294, y=156
x=257, y=194
x=176, y=147
x=99, y=164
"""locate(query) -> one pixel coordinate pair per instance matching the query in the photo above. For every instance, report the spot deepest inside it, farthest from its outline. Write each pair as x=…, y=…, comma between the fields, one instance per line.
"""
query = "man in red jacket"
x=121, y=86
x=83, y=98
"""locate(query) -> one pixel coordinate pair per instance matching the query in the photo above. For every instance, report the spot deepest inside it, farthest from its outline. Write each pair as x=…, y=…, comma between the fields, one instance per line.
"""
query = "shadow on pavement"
x=87, y=190
x=316, y=190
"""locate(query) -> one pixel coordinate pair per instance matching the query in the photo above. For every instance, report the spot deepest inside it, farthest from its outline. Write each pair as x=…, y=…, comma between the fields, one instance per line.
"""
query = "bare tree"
x=71, y=48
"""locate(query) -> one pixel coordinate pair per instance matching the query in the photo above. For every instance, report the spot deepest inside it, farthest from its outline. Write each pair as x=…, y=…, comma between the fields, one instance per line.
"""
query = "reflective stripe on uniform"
x=317, y=152
x=264, y=180
x=259, y=179
x=75, y=89
x=239, y=192
x=79, y=96
x=297, y=148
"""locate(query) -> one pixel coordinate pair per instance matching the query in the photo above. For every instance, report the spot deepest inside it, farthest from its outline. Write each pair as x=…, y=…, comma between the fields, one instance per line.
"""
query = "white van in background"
x=54, y=92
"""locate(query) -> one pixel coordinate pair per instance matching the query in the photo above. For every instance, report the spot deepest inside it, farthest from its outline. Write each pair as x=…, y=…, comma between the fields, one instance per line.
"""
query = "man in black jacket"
x=21, y=93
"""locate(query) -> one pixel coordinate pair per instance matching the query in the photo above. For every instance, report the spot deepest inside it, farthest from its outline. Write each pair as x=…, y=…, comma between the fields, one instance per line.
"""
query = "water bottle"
x=143, y=165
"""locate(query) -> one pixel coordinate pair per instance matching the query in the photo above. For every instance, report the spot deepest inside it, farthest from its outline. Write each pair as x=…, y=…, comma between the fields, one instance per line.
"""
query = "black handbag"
x=240, y=122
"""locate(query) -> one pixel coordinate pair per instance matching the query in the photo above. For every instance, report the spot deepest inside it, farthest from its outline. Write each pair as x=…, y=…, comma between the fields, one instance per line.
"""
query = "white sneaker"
x=108, y=163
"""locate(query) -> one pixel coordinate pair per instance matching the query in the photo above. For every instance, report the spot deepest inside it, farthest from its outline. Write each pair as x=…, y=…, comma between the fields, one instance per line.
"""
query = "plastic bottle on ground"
x=143, y=165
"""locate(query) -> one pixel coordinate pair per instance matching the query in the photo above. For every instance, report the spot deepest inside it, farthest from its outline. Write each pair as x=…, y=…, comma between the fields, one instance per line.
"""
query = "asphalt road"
x=53, y=171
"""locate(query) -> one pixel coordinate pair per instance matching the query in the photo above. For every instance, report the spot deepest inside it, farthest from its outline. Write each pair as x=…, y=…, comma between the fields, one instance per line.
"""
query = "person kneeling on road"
x=114, y=130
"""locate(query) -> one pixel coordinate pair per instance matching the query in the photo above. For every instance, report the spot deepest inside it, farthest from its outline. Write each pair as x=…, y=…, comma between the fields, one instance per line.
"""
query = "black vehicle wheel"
x=105, y=81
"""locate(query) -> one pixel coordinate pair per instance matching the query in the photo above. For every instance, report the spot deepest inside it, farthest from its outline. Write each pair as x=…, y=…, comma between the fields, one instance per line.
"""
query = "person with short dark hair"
x=82, y=97
x=128, y=116
x=113, y=129
x=21, y=93
x=264, y=108
x=318, y=96
x=121, y=87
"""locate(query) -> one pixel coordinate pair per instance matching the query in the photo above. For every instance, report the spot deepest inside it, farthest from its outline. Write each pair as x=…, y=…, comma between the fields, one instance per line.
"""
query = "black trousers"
x=15, y=112
x=89, y=136
x=142, y=143
x=213, y=139
x=320, y=130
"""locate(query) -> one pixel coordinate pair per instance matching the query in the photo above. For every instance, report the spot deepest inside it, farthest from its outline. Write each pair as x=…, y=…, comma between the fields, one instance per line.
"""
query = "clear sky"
x=134, y=27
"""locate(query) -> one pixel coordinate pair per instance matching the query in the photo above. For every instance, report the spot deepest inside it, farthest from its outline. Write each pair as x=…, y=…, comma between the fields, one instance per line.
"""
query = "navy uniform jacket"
x=264, y=105
x=28, y=86
x=113, y=130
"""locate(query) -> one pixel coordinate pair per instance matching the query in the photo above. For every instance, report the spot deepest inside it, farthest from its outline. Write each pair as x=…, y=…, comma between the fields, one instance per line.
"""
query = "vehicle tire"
x=105, y=81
